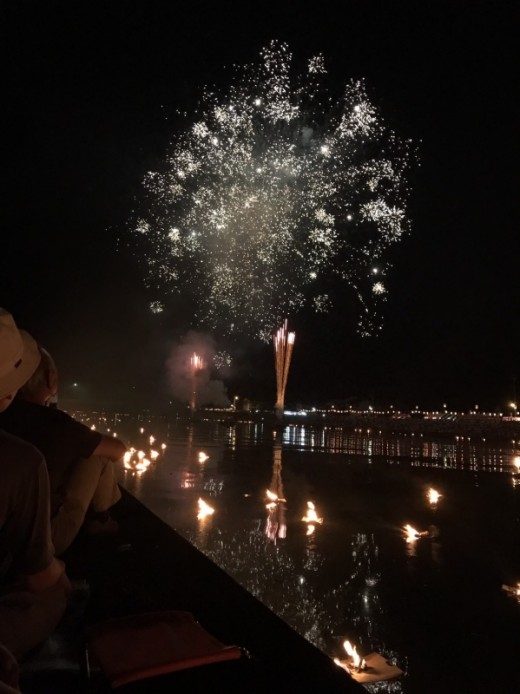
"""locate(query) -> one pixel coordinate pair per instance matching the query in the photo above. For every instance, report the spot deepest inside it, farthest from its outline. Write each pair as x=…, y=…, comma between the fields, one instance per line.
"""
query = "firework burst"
x=272, y=193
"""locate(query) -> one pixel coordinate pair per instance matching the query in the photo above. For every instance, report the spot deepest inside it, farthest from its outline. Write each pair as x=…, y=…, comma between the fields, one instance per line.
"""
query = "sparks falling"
x=272, y=192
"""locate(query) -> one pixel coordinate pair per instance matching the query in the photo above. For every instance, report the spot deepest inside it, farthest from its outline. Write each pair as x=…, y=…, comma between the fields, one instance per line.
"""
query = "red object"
x=142, y=646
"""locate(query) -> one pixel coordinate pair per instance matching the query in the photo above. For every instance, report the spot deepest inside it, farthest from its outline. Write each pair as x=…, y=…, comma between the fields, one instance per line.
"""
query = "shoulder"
x=23, y=455
x=10, y=444
x=57, y=418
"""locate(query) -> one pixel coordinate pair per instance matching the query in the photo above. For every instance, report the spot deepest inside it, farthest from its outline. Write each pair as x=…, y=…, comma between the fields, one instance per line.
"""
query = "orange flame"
x=311, y=516
x=433, y=496
x=204, y=510
x=356, y=661
x=411, y=534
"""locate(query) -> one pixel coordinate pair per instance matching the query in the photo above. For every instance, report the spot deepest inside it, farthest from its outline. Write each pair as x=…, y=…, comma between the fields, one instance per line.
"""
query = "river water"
x=435, y=606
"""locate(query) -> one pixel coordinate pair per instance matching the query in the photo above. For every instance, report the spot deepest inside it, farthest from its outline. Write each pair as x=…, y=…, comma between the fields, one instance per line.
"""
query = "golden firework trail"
x=283, y=341
x=197, y=364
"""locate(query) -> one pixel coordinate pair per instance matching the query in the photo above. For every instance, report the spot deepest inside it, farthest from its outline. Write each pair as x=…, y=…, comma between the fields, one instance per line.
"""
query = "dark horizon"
x=90, y=92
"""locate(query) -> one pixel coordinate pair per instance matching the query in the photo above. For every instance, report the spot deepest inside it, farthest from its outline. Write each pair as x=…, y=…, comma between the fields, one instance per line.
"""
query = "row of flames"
x=136, y=460
x=357, y=666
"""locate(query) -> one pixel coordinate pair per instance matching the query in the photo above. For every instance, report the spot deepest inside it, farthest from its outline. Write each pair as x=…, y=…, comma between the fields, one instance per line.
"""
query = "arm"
x=50, y=577
x=110, y=447
x=38, y=569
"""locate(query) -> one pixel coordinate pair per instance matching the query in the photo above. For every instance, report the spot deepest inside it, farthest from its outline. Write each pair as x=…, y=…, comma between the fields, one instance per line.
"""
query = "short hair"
x=40, y=377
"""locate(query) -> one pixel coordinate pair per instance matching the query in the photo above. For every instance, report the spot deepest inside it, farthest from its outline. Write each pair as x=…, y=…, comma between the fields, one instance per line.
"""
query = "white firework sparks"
x=274, y=191
x=222, y=360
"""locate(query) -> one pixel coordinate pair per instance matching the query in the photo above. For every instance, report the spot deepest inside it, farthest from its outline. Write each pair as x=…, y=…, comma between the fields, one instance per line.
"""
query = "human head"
x=19, y=357
x=43, y=384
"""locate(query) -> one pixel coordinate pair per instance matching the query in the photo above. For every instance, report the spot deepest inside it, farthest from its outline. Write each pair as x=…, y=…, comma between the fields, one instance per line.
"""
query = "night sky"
x=90, y=92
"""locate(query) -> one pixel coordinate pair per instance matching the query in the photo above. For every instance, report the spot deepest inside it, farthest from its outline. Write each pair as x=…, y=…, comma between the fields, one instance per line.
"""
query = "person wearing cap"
x=80, y=461
x=33, y=585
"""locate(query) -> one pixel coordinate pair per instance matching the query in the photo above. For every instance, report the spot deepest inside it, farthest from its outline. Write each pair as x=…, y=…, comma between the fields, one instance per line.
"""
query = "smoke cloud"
x=180, y=372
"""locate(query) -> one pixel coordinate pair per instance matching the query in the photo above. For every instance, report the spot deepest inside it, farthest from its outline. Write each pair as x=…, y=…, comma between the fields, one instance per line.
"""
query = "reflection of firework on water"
x=283, y=347
x=271, y=191
x=276, y=525
x=294, y=595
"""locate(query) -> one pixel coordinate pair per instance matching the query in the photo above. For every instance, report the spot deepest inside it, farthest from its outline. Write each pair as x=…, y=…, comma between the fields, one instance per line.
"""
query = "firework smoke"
x=275, y=196
x=191, y=381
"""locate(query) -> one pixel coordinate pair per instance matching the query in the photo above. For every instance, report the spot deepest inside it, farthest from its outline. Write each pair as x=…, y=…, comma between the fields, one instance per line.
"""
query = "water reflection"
x=354, y=577
x=459, y=453
x=275, y=525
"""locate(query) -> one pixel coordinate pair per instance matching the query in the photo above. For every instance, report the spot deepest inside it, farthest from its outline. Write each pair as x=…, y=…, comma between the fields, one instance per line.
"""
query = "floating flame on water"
x=204, y=510
x=273, y=500
x=311, y=516
x=513, y=591
x=411, y=534
x=283, y=347
x=202, y=457
x=269, y=189
x=433, y=496
x=136, y=461
x=516, y=462
x=354, y=662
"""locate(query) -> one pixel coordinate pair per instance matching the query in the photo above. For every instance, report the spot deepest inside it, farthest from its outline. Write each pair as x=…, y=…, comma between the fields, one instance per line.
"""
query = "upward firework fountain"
x=197, y=364
x=283, y=347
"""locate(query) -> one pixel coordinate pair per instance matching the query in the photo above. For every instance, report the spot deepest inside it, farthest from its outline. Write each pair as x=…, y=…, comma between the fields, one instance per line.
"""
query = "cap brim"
x=22, y=373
